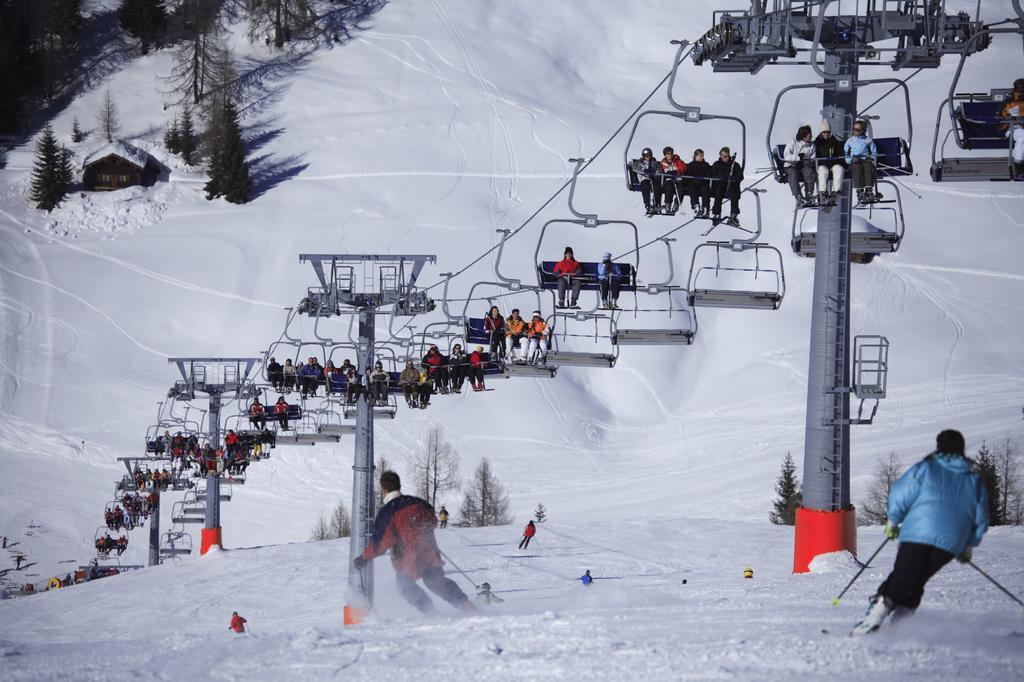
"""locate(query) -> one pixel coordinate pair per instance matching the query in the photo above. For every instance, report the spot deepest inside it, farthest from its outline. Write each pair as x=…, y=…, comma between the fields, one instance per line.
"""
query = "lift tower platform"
x=900, y=34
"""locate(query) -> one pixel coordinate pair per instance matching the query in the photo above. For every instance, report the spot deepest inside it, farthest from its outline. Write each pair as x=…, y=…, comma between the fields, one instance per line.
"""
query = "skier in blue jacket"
x=939, y=510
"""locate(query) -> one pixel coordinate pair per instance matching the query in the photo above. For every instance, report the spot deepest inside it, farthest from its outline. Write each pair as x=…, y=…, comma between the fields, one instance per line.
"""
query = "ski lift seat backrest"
x=634, y=179
x=549, y=280
x=475, y=332
x=980, y=124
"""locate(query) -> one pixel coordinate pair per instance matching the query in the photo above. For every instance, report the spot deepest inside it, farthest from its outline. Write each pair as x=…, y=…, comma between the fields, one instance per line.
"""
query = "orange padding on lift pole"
x=353, y=616
x=210, y=537
x=822, y=532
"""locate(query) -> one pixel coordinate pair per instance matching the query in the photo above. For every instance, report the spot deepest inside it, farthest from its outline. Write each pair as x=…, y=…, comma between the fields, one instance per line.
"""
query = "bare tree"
x=382, y=465
x=198, y=27
x=321, y=530
x=1007, y=460
x=874, y=509
x=485, y=502
x=435, y=465
x=107, y=117
x=337, y=526
x=275, y=20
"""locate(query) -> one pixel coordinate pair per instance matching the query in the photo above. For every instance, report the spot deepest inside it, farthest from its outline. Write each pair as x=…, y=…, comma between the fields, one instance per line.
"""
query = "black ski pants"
x=726, y=190
x=649, y=186
x=525, y=542
x=436, y=582
x=863, y=172
x=915, y=565
x=700, y=189
x=498, y=344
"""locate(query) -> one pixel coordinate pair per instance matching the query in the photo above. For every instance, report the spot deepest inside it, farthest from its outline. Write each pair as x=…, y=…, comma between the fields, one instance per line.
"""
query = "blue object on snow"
x=940, y=502
x=586, y=579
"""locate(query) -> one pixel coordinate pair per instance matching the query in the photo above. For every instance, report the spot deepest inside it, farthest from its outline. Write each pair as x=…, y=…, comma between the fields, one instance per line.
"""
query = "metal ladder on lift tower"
x=838, y=375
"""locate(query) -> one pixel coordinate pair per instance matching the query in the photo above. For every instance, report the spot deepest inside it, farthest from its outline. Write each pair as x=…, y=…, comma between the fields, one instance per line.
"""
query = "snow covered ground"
x=416, y=136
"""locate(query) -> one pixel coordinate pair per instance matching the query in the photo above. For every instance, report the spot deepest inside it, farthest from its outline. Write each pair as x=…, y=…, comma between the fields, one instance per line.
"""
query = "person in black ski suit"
x=275, y=374
x=699, y=184
x=726, y=176
x=647, y=169
x=939, y=511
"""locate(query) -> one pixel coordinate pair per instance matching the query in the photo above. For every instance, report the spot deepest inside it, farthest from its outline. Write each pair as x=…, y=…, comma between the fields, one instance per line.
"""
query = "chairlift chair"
x=175, y=543
x=179, y=514
x=867, y=243
x=682, y=335
x=975, y=123
x=715, y=294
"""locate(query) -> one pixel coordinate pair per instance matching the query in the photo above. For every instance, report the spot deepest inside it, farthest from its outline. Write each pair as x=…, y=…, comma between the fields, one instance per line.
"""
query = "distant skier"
x=17, y=561
x=528, y=534
x=586, y=578
x=237, y=623
x=485, y=596
x=939, y=510
x=442, y=517
x=405, y=525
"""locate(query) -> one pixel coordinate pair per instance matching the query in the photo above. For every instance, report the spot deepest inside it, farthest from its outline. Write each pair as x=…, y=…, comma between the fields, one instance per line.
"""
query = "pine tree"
x=143, y=19
x=188, y=141
x=874, y=510
x=485, y=502
x=198, y=27
x=48, y=176
x=279, y=18
x=1011, y=505
x=540, y=514
x=66, y=172
x=229, y=172
x=435, y=465
x=788, y=496
x=107, y=117
x=76, y=132
x=172, y=138
x=988, y=470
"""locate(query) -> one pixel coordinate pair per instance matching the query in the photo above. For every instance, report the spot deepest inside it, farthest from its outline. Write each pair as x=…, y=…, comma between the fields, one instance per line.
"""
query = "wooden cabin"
x=117, y=165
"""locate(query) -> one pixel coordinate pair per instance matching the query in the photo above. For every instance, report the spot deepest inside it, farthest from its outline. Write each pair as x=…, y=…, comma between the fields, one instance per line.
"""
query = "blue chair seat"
x=626, y=271
x=980, y=125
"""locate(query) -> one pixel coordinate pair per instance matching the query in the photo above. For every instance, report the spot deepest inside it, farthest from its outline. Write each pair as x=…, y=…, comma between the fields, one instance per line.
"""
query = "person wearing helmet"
x=672, y=183
x=609, y=278
x=570, y=274
x=537, y=333
x=647, y=169
x=699, y=184
x=379, y=384
x=1013, y=111
x=485, y=596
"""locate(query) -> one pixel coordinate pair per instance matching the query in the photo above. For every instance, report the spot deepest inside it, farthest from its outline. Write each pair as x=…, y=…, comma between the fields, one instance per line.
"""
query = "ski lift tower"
x=217, y=378
x=360, y=284
x=901, y=34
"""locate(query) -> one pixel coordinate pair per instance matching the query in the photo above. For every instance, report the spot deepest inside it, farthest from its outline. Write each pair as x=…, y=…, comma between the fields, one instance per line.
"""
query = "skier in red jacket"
x=569, y=272
x=528, y=534
x=673, y=184
x=237, y=623
x=405, y=525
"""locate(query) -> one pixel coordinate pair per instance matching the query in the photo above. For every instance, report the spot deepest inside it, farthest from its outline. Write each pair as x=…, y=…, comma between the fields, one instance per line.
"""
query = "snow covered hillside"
x=435, y=124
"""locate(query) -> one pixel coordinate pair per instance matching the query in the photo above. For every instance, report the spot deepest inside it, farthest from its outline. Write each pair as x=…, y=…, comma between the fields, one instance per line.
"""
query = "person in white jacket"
x=800, y=165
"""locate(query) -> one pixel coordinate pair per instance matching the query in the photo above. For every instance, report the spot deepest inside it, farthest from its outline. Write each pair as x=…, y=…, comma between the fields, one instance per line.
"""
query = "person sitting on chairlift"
x=476, y=369
x=355, y=385
x=828, y=150
x=288, y=372
x=494, y=325
x=672, y=184
x=610, y=281
x=379, y=384
x=458, y=361
x=515, y=331
x=699, y=184
x=426, y=389
x=257, y=415
x=726, y=176
x=861, y=156
x=1013, y=111
x=647, y=169
x=281, y=408
x=800, y=166
x=537, y=333
x=275, y=374
x=409, y=380
x=437, y=368
x=570, y=274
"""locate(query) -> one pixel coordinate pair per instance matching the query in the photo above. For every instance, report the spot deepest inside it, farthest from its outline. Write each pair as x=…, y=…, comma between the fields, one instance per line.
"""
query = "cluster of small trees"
x=338, y=525
x=1000, y=470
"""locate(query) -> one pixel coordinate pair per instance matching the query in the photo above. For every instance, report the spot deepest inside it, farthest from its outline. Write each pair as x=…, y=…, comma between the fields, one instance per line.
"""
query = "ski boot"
x=716, y=219
x=732, y=221
x=878, y=609
x=651, y=210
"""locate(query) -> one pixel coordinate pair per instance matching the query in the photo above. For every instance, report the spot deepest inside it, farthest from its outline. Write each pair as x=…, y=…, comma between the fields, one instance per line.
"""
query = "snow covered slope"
x=437, y=123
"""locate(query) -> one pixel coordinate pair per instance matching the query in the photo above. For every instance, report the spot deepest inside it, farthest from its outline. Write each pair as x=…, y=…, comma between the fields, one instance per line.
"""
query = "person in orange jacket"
x=537, y=333
x=515, y=330
x=569, y=272
x=237, y=623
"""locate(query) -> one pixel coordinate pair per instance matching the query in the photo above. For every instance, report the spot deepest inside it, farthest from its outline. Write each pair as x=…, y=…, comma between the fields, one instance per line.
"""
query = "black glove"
x=359, y=562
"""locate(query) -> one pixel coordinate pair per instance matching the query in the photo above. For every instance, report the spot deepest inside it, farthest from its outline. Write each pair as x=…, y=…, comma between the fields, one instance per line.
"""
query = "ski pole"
x=835, y=602
x=993, y=581
x=455, y=566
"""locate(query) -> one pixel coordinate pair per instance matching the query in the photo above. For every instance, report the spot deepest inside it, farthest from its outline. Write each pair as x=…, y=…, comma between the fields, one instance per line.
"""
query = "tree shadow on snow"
x=268, y=172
